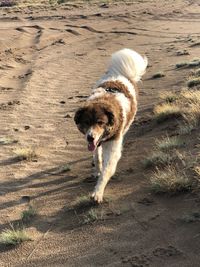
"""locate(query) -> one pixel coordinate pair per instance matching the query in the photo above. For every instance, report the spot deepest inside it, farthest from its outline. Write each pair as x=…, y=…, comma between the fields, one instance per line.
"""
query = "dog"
x=108, y=113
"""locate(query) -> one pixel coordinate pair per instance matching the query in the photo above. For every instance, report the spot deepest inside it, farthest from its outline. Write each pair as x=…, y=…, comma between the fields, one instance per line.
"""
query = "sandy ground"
x=49, y=59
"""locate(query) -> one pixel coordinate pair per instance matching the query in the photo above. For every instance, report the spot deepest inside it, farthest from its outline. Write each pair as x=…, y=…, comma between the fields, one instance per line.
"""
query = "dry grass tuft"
x=28, y=214
x=158, y=75
x=188, y=64
x=169, y=143
x=163, y=158
x=193, y=81
x=7, y=141
x=182, y=52
x=26, y=153
x=157, y=158
x=169, y=97
x=197, y=170
x=14, y=237
x=91, y=216
x=83, y=202
x=196, y=72
x=169, y=180
x=192, y=95
x=165, y=111
x=190, y=101
x=186, y=128
x=8, y=3
x=186, y=105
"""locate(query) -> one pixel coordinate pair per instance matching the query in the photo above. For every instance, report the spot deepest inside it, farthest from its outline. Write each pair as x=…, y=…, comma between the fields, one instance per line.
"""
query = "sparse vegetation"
x=193, y=217
x=26, y=153
x=188, y=64
x=91, y=216
x=7, y=3
x=14, y=236
x=193, y=81
x=185, y=106
x=157, y=158
x=181, y=64
x=28, y=214
x=197, y=170
x=169, y=180
x=165, y=111
x=169, y=143
x=190, y=100
x=7, y=141
x=169, y=97
x=65, y=168
x=196, y=72
x=82, y=202
x=185, y=128
x=191, y=95
x=182, y=52
x=158, y=75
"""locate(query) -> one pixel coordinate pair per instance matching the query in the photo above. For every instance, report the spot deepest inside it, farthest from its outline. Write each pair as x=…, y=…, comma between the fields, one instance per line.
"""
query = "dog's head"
x=95, y=121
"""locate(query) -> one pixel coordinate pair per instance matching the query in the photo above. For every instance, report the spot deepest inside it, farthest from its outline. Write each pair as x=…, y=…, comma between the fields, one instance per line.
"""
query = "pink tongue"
x=91, y=146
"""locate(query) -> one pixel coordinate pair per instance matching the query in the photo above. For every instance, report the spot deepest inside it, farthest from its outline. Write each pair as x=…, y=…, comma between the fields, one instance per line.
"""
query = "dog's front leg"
x=98, y=161
x=111, y=155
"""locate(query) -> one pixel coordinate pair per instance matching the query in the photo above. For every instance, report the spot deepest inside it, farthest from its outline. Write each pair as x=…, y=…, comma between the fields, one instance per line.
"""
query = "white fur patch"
x=96, y=93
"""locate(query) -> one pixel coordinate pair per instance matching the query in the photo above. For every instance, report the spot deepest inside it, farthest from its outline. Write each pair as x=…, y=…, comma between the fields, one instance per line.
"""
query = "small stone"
x=68, y=116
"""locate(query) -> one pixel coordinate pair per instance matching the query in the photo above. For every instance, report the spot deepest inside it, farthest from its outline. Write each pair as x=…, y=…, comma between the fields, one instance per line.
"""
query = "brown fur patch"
x=95, y=110
x=123, y=89
x=112, y=106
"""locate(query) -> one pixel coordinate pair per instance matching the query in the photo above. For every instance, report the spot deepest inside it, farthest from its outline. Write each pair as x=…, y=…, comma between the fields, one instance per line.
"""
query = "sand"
x=49, y=59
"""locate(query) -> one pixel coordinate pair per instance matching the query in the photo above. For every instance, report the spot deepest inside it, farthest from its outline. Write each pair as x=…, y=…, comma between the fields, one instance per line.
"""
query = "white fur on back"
x=127, y=63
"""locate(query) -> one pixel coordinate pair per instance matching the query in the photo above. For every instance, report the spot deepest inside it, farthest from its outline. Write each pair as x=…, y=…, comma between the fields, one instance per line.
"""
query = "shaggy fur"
x=109, y=112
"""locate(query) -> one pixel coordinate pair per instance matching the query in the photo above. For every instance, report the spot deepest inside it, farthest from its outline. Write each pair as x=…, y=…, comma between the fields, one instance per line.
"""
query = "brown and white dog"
x=109, y=112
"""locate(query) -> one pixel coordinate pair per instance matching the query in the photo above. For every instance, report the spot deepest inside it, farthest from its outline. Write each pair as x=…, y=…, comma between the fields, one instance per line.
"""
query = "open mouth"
x=93, y=145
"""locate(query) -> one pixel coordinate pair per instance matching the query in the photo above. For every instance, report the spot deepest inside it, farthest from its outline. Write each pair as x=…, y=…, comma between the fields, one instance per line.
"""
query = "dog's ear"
x=78, y=115
x=111, y=118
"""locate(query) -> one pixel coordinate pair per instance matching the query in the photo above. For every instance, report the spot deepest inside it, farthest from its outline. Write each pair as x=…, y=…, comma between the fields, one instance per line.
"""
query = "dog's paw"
x=98, y=196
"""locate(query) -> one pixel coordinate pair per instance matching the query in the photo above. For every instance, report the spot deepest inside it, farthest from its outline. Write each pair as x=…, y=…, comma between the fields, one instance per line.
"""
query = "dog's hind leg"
x=111, y=155
x=98, y=161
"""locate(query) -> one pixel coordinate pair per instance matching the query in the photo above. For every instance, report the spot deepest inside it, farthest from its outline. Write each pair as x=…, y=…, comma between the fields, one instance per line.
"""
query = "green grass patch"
x=29, y=214
x=14, y=236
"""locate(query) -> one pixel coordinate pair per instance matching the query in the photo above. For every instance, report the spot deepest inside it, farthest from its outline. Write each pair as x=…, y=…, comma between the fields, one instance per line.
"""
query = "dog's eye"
x=100, y=123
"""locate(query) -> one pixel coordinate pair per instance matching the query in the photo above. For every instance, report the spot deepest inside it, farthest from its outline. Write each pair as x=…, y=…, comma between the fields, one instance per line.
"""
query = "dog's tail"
x=128, y=63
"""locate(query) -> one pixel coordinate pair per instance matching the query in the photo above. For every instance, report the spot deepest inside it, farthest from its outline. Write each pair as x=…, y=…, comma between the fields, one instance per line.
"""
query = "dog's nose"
x=90, y=138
